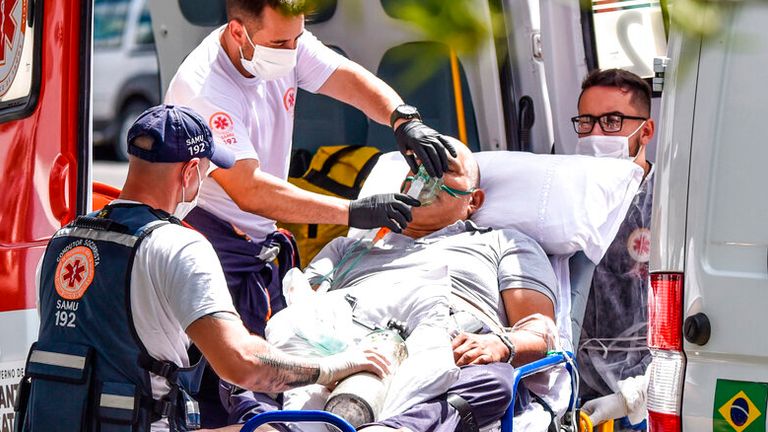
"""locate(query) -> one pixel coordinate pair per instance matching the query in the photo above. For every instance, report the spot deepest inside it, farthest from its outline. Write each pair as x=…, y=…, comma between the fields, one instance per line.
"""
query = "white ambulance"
x=709, y=256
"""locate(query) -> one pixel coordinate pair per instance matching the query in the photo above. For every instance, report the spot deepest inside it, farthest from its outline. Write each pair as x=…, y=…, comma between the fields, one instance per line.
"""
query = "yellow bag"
x=337, y=171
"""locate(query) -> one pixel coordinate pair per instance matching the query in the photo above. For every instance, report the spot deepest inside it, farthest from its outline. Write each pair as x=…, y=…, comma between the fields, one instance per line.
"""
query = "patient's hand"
x=471, y=348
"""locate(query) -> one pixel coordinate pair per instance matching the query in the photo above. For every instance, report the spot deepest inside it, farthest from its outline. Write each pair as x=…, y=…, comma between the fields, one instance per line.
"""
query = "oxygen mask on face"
x=423, y=187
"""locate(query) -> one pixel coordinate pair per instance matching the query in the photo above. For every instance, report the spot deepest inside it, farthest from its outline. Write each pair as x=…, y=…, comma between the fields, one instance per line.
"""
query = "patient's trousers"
x=486, y=388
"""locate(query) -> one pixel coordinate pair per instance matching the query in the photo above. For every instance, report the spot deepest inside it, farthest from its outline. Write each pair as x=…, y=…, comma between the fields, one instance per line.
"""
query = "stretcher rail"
x=297, y=417
x=541, y=365
x=552, y=360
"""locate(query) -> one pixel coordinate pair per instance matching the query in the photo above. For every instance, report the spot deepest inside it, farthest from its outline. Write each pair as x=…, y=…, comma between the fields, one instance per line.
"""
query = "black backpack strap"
x=177, y=406
x=321, y=179
x=334, y=158
x=365, y=170
x=163, y=368
x=467, y=422
x=99, y=224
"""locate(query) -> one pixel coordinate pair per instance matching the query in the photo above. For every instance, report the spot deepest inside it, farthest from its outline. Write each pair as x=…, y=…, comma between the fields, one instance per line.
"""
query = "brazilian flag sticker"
x=739, y=406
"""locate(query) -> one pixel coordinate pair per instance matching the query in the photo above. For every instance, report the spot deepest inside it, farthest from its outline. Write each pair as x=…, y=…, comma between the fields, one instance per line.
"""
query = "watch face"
x=407, y=110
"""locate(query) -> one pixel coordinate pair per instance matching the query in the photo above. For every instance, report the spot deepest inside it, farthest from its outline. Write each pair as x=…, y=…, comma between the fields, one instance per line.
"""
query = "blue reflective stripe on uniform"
x=57, y=359
x=85, y=233
x=117, y=401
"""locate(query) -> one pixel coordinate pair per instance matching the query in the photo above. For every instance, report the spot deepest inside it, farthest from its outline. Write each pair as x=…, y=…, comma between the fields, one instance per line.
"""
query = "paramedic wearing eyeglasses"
x=614, y=121
x=124, y=290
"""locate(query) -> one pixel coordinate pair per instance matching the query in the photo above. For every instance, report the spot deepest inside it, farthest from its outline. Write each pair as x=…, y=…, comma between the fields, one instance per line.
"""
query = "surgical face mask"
x=613, y=146
x=268, y=63
x=183, y=208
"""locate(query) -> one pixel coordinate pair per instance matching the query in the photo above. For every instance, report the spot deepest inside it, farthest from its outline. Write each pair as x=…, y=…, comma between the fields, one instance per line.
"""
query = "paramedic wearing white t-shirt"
x=243, y=80
x=139, y=327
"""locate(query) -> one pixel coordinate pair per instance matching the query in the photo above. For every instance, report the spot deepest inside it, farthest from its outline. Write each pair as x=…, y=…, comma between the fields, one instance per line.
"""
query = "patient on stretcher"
x=458, y=288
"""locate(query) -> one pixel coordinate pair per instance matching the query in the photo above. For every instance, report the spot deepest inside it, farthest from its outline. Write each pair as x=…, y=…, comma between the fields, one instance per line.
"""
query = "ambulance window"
x=205, y=13
x=109, y=20
x=144, y=36
x=211, y=13
x=324, y=121
x=19, y=58
x=421, y=73
x=626, y=35
x=398, y=8
x=322, y=12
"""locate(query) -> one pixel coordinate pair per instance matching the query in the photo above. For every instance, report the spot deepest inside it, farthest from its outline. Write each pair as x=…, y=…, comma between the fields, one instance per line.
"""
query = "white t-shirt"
x=176, y=279
x=253, y=117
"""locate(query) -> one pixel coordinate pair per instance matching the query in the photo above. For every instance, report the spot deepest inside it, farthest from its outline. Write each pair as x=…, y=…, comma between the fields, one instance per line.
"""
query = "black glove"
x=386, y=210
x=426, y=144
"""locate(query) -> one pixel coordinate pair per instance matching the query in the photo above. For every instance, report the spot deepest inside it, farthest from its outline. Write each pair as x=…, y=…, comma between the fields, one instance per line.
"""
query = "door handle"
x=58, y=189
x=697, y=329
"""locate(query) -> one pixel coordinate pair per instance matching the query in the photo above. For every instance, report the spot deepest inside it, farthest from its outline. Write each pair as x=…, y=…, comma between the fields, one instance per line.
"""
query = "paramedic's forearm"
x=353, y=84
x=260, y=193
x=286, y=372
x=246, y=360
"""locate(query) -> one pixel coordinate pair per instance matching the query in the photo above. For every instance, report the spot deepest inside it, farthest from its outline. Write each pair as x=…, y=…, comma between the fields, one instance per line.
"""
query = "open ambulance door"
x=180, y=26
x=44, y=157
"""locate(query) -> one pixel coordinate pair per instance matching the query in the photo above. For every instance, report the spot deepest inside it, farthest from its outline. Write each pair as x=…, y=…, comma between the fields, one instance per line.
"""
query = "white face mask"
x=268, y=63
x=613, y=146
x=183, y=208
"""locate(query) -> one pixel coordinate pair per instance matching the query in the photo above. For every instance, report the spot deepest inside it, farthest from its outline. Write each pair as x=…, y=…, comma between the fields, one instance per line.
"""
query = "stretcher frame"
x=301, y=416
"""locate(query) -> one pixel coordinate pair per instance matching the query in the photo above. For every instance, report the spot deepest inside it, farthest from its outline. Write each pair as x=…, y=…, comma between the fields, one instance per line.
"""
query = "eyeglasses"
x=611, y=122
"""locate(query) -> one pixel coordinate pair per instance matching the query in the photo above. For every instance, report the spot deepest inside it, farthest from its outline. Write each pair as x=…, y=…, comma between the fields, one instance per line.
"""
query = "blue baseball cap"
x=179, y=135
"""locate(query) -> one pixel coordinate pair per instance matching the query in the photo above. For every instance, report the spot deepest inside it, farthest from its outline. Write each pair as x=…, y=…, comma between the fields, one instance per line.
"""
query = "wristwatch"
x=510, y=346
x=403, y=111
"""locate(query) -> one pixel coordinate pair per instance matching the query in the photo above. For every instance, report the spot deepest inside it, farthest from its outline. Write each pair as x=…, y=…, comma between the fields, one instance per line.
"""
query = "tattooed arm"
x=250, y=362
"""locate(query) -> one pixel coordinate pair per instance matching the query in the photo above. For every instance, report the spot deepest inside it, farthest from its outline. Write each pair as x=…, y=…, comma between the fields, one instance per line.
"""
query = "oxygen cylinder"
x=359, y=398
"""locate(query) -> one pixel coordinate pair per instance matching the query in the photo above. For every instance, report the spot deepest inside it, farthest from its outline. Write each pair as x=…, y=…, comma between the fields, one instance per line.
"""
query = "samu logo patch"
x=75, y=272
x=220, y=123
x=289, y=99
x=13, y=24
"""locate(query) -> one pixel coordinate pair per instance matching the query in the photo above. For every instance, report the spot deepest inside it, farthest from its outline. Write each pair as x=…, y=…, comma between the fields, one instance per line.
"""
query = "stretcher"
x=578, y=275
x=552, y=360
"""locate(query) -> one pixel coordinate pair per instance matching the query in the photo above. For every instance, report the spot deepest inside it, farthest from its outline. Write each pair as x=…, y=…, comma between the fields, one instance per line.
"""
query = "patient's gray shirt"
x=481, y=262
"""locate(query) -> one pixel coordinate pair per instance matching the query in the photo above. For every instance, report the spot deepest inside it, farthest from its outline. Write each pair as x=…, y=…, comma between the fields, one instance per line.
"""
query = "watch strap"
x=398, y=114
x=510, y=346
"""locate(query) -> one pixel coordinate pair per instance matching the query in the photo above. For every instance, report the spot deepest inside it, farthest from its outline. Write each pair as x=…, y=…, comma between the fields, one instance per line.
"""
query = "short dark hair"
x=626, y=81
x=254, y=8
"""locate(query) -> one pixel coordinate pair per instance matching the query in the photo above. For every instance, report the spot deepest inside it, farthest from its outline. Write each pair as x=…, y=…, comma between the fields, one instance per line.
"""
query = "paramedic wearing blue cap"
x=614, y=121
x=124, y=290
x=243, y=80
